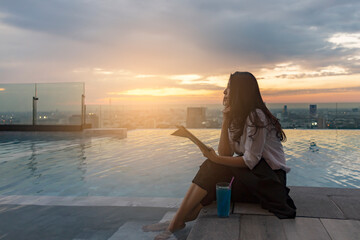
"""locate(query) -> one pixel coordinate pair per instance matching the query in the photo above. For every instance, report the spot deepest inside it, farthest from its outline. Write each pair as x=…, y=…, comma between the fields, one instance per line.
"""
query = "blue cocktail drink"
x=223, y=197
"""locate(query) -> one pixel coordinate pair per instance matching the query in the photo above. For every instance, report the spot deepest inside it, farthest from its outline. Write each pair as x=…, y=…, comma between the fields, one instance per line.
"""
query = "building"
x=285, y=111
x=75, y=119
x=92, y=119
x=321, y=123
x=196, y=117
x=313, y=110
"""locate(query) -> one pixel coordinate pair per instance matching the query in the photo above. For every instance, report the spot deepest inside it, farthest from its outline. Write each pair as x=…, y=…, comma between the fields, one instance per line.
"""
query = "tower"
x=313, y=110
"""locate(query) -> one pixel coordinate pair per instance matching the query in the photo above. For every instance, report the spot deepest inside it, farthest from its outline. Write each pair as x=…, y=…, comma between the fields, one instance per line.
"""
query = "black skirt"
x=259, y=185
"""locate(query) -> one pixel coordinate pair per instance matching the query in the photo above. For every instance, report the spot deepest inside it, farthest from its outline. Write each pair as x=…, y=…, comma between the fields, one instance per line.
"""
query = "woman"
x=254, y=134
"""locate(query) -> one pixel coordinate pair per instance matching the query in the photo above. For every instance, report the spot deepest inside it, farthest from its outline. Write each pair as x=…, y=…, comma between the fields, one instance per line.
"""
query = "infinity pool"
x=152, y=163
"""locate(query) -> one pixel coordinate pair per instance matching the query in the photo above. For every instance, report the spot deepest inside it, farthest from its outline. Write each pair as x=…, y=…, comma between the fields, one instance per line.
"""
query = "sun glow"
x=145, y=76
x=220, y=81
x=191, y=79
x=284, y=81
x=162, y=92
x=315, y=97
x=186, y=79
x=101, y=71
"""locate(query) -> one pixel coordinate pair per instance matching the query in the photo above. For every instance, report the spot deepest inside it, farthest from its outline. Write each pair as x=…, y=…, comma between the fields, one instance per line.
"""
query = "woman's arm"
x=254, y=147
x=225, y=148
x=231, y=161
x=225, y=160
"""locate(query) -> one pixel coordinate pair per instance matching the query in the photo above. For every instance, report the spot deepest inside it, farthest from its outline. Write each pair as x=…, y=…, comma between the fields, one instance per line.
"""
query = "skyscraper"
x=313, y=110
x=285, y=111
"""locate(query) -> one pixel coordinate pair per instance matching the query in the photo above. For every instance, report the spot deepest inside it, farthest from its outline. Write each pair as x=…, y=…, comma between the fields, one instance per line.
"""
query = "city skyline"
x=169, y=52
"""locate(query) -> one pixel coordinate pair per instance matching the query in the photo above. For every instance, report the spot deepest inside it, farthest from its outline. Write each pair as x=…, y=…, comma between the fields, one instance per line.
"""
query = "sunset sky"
x=182, y=51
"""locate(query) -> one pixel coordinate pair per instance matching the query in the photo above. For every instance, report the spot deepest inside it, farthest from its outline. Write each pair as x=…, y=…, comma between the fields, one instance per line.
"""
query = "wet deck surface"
x=323, y=213
x=79, y=218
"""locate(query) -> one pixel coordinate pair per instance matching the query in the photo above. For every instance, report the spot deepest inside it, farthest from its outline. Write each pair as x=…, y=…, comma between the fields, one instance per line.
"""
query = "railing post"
x=83, y=111
x=35, y=99
x=83, y=108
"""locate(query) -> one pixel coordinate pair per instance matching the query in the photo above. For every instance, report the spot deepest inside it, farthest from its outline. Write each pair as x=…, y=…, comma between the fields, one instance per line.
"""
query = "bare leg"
x=189, y=210
x=194, y=213
x=190, y=203
x=164, y=225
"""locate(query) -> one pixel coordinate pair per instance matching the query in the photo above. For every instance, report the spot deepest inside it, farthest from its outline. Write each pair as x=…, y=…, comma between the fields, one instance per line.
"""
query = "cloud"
x=197, y=81
x=232, y=31
x=200, y=86
x=186, y=79
x=346, y=40
x=89, y=40
x=55, y=17
x=275, y=92
x=162, y=92
x=101, y=71
x=141, y=80
x=145, y=76
x=294, y=71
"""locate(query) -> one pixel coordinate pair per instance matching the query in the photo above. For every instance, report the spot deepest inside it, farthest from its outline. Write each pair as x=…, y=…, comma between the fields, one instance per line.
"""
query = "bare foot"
x=155, y=227
x=167, y=233
x=163, y=235
x=176, y=228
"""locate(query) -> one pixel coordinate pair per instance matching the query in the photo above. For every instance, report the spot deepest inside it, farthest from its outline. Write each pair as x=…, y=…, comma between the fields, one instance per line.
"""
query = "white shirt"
x=264, y=144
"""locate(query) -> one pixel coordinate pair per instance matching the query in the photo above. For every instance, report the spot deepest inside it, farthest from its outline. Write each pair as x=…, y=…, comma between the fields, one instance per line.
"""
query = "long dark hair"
x=245, y=98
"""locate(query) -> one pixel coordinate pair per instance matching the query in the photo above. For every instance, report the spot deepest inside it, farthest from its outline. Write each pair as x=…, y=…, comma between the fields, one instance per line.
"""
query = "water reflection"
x=313, y=147
x=32, y=162
x=81, y=166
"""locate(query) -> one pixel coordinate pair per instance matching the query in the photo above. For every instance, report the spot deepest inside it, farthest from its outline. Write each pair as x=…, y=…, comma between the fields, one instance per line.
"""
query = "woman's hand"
x=226, y=114
x=226, y=103
x=226, y=110
x=211, y=155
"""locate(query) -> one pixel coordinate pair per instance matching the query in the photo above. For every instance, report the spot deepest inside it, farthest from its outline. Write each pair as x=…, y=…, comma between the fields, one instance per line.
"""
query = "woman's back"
x=260, y=142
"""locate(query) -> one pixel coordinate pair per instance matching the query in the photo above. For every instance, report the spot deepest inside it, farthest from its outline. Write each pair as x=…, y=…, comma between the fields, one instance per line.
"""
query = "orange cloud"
x=316, y=97
x=162, y=92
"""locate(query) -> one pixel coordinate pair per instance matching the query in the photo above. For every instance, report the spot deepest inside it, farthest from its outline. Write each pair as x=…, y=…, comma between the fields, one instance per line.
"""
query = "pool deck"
x=323, y=213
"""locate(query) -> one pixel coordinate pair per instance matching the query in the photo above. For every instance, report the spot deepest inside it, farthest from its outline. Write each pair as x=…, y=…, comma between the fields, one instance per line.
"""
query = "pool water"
x=152, y=163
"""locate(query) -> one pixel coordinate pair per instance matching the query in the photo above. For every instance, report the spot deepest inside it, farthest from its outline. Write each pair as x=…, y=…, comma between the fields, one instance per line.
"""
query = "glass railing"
x=42, y=104
x=63, y=104
x=16, y=103
x=60, y=103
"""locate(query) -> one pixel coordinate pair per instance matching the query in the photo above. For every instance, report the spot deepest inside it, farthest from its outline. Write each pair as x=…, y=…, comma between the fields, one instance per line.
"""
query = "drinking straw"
x=231, y=182
x=225, y=201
